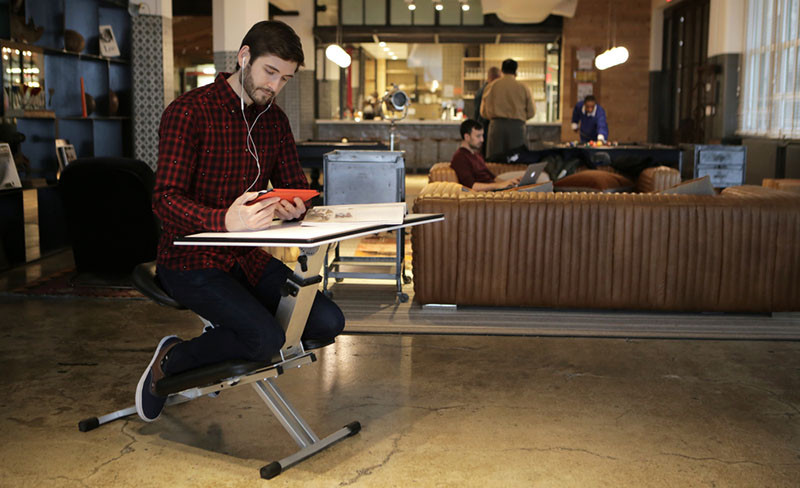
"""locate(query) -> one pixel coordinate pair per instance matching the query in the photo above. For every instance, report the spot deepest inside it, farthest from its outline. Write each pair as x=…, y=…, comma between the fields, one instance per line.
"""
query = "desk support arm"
x=293, y=311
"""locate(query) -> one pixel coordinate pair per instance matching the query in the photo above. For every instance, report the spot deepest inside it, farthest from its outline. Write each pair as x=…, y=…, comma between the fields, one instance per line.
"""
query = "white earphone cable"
x=254, y=149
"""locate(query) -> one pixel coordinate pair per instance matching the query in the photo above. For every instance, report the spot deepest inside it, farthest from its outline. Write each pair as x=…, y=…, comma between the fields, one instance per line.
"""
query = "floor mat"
x=69, y=283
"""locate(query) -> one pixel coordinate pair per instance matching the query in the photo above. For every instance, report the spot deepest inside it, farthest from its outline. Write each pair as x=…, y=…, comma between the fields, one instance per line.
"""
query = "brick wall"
x=624, y=89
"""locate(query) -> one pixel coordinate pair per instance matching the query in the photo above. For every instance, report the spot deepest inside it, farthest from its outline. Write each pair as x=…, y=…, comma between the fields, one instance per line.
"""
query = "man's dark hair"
x=468, y=125
x=509, y=67
x=276, y=38
x=590, y=98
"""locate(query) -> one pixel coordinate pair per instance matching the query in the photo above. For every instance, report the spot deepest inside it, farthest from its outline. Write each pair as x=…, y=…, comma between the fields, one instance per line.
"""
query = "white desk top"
x=295, y=235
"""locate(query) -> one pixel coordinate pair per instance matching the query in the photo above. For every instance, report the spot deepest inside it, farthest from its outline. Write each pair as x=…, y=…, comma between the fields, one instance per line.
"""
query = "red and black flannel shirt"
x=204, y=165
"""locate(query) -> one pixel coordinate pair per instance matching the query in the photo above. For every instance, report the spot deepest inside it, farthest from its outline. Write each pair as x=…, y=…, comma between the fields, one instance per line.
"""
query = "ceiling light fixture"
x=614, y=55
x=335, y=53
x=382, y=44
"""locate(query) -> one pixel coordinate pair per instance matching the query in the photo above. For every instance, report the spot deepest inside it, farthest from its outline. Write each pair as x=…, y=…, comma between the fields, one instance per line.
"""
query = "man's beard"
x=475, y=147
x=257, y=95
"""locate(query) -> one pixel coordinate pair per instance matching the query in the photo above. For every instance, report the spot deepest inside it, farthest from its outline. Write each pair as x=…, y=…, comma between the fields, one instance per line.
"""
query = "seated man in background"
x=469, y=165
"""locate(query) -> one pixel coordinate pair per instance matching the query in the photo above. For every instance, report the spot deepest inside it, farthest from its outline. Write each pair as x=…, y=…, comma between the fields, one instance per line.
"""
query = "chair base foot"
x=275, y=468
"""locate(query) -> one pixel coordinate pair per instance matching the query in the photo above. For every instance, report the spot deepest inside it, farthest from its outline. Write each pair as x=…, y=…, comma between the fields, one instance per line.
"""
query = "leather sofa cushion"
x=697, y=186
x=597, y=180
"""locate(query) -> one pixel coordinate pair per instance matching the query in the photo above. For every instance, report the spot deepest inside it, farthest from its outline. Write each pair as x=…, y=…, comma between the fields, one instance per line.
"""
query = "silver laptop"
x=532, y=173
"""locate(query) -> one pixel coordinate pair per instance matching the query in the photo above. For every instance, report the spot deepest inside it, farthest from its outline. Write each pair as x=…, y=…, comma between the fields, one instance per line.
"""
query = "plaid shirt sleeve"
x=177, y=160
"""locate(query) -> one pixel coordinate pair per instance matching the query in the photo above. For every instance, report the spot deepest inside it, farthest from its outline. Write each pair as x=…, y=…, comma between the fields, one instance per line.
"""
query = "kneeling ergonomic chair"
x=298, y=295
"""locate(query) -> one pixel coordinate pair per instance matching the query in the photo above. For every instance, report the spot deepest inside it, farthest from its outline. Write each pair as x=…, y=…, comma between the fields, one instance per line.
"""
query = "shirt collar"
x=227, y=96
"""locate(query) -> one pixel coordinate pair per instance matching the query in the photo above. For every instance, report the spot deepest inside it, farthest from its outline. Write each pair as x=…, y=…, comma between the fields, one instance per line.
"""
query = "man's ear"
x=243, y=56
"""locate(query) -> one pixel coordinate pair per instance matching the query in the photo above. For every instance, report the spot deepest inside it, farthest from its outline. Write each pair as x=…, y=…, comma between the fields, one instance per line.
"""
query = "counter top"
x=419, y=122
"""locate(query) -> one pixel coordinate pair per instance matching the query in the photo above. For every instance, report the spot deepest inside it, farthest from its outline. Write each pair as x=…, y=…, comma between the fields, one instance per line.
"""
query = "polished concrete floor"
x=436, y=410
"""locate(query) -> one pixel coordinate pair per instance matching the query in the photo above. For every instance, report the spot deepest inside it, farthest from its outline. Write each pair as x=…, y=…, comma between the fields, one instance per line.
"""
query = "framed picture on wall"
x=9, y=177
x=108, y=43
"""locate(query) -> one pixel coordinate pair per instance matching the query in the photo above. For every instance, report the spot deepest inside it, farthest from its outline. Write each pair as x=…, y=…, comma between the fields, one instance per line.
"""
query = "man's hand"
x=574, y=127
x=257, y=216
x=286, y=211
x=509, y=183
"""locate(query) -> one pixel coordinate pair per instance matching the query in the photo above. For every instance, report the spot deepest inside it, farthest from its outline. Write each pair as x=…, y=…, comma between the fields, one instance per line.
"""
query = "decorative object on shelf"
x=108, y=43
x=10, y=135
x=73, y=41
x=83, y=99
x=65, y=152
x=23, y=81
x=9, y=178
x=90, y=104
x=27, y=32
x=112, y=103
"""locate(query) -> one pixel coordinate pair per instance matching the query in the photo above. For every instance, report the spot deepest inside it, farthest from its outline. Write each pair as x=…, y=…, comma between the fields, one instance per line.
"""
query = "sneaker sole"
x=140, y=385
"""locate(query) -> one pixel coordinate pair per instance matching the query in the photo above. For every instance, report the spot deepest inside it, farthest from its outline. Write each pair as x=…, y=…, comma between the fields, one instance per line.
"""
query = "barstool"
x=415, y=143
x=438, y=141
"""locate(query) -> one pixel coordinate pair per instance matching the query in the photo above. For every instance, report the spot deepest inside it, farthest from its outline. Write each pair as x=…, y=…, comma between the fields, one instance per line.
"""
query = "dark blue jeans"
x=243, y=315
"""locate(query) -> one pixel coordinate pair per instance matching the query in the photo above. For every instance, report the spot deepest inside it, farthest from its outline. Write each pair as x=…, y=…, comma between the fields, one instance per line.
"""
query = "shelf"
x=31, y=115
x=91, y=117
x=95, y=57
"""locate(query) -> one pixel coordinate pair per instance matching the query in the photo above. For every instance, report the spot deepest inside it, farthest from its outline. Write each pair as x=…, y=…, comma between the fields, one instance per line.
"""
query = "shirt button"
x=187, y=113
x=203, y=173
x=226, y=126
x=175, y=162
x=184, y=267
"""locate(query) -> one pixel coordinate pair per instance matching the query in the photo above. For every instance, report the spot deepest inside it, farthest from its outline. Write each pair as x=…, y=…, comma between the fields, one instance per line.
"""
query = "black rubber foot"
x=355, y=428
x=403, y=297
x=86, y=425
x=271, y=470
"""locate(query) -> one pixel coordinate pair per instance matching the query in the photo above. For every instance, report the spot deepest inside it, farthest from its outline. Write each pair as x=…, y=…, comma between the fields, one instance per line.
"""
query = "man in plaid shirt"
x=218, y=146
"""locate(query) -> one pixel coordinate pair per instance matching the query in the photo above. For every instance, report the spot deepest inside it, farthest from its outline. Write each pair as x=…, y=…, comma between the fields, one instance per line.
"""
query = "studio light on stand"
x=437, y=4
x=464, y=5
x=411, y=5
x=395, y=101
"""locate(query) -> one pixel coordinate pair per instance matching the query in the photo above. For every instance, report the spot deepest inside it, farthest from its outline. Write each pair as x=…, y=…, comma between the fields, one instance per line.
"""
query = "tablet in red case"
x=285, y=194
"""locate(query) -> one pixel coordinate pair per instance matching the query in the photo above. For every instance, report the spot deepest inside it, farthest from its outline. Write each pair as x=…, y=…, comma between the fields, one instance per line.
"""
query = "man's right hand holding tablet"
x=243, y=216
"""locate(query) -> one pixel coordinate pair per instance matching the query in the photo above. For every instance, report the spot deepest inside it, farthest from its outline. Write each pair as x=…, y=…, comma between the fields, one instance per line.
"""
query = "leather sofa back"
x=443, y=171
x=736, y=252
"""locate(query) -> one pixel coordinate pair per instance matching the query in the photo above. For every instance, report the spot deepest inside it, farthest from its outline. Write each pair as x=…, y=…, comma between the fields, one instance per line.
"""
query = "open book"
x=379, y=213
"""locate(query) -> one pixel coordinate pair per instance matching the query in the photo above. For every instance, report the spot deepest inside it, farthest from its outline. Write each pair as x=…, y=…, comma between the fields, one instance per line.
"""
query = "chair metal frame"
x=299, y=292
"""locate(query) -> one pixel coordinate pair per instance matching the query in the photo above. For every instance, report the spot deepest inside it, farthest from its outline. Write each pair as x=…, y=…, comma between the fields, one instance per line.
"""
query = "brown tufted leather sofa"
x=735, y=252
x=650, y=180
